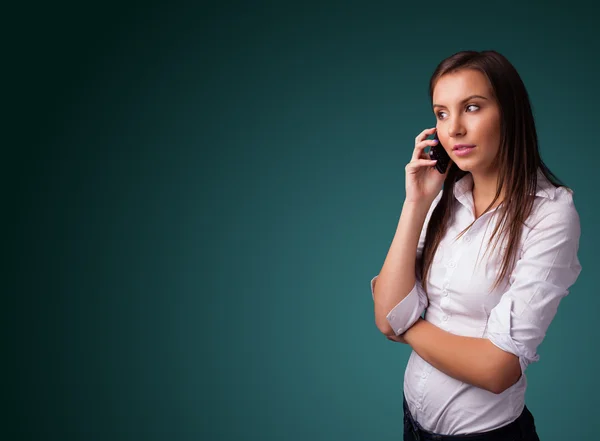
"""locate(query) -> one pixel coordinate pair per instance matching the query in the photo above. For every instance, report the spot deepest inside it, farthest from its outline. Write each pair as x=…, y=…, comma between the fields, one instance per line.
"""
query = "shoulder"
x=555, y=213
x=557, y=203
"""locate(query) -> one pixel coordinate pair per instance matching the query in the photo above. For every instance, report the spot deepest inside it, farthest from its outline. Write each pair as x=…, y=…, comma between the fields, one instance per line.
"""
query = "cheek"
x=490, y=132
x=495, y=139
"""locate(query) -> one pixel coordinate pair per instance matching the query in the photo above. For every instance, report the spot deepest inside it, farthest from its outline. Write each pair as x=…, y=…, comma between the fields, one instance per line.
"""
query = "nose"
x=456, y=129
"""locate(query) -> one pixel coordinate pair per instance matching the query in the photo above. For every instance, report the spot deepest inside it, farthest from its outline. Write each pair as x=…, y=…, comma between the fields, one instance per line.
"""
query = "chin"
x=466, y=166
x=471, y=166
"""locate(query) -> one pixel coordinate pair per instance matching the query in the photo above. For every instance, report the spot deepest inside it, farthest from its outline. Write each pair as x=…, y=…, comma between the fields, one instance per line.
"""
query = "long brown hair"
x=517, y=161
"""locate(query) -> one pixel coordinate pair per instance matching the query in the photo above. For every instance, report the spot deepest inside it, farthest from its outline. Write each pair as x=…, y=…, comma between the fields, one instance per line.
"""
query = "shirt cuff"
x=373, y=286
x=408, y=311
x=499, y=333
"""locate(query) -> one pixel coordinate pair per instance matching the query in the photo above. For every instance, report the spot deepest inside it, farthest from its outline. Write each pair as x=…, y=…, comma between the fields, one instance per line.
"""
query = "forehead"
x=456, y=86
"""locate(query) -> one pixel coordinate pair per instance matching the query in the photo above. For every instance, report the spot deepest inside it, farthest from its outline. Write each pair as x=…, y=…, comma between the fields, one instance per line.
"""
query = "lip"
x=457, y=146
x=464, y=152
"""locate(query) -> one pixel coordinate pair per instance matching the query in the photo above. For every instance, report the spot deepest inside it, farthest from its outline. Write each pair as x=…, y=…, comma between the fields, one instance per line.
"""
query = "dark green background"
x=198, y=196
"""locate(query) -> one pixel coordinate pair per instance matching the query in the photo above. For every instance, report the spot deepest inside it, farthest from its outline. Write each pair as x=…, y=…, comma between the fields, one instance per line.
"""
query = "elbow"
x=392, y=324
x=496, y=384
x=381, y=321
x=499, y=387
x=496, y=387
x=384, y=327
x=506, y=376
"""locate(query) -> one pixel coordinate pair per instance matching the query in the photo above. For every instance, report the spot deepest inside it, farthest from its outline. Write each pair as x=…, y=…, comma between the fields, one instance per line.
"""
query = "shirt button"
x=445, y=293
x=424, y=375
x=452, y=264
x=445, y=318
x=467, y=238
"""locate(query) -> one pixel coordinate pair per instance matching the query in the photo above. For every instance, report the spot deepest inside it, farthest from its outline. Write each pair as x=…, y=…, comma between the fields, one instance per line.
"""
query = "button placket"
x=451, y=266
x=424, y=377
x=445, y=287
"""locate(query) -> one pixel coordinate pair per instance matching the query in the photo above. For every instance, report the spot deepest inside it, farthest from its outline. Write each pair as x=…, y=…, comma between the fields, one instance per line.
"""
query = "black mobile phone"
x=439, y=152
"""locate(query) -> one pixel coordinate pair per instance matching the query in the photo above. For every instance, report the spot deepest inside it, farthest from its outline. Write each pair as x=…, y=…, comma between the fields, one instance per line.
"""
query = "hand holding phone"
x=423, y=177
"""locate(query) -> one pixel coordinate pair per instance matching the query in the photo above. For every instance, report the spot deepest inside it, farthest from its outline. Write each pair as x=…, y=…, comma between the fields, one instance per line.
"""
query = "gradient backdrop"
x=197, y=198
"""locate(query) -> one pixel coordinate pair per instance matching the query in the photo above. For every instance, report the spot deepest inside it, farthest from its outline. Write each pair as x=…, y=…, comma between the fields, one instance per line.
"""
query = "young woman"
x=488, y=249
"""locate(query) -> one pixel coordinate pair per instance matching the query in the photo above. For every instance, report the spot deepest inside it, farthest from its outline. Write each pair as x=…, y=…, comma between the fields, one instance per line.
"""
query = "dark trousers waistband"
x=523, y=428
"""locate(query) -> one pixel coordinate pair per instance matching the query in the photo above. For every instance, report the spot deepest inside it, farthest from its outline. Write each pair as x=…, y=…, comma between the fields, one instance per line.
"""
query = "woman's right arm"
x=397, y=280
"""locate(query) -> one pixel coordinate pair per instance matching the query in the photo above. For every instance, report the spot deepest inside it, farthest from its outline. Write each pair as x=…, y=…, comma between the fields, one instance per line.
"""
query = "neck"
x=484, y=190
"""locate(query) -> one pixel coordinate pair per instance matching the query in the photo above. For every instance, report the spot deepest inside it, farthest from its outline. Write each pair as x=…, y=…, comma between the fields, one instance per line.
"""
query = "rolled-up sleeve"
x=547, y=268
x=409, y=309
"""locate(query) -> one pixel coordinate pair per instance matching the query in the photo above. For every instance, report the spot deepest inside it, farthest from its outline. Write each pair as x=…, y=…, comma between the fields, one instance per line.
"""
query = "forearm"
x=468, y=359
x=397, y=276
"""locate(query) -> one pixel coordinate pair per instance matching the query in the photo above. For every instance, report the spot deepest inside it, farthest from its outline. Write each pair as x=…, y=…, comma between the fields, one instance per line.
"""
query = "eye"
x=473, y=105
x=440, y=114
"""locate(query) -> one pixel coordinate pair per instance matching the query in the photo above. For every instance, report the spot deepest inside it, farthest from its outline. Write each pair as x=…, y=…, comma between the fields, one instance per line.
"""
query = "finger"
x=415, y=165
x=397, y=338
x=419, y=151
x=424, y=134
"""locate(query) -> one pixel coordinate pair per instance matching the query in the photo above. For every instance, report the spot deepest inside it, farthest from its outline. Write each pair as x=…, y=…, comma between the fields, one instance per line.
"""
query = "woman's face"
x=468, y=114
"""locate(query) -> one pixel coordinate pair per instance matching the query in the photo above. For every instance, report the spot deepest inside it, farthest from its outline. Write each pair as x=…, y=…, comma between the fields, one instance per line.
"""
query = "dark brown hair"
x=518, y=159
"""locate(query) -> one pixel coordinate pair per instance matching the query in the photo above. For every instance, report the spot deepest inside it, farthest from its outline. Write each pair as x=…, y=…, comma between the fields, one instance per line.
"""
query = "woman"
x=489, y=248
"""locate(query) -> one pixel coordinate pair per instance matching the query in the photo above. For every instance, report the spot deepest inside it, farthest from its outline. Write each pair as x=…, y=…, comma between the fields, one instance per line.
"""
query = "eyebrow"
x=463, y=101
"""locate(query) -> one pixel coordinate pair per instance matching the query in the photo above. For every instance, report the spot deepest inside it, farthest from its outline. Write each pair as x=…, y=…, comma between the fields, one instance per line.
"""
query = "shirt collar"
x=464, y=186
x=545, y=188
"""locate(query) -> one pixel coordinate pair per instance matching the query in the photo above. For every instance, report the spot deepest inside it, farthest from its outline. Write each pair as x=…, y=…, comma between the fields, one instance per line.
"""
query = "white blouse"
x=514, y=316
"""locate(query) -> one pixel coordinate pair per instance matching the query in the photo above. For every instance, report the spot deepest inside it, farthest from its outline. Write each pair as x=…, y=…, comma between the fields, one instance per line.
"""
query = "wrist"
x=415, y=210
x=409, y=334
x=418, y=207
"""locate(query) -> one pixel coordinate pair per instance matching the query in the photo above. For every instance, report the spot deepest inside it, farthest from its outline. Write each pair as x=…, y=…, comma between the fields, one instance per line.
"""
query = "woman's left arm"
x=475, y=361
x=548, y=267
